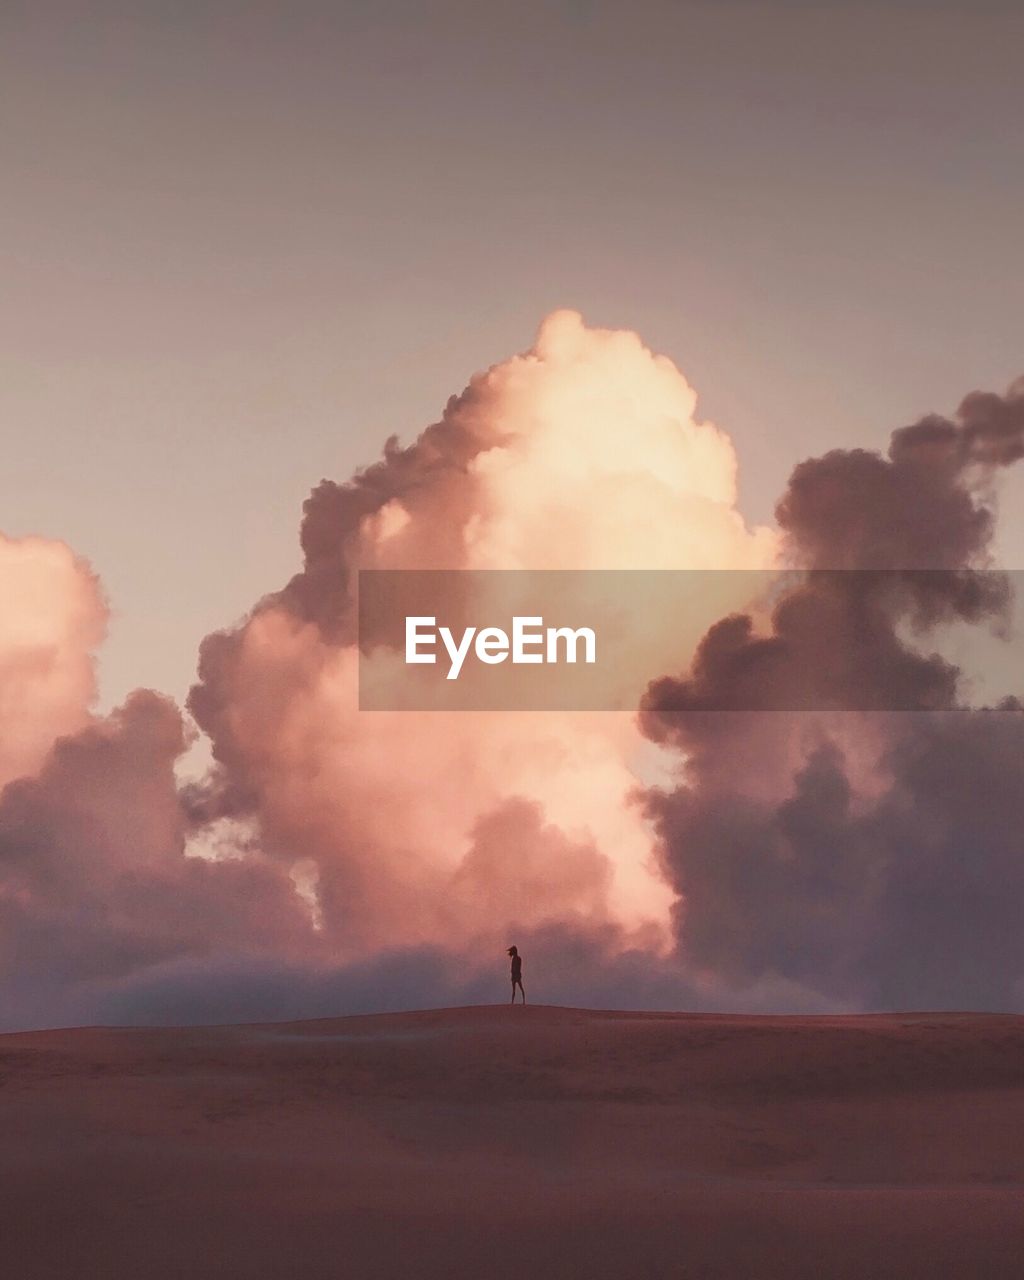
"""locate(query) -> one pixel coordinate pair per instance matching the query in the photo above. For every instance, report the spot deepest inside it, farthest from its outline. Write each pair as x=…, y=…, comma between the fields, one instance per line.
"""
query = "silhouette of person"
x=517, y=973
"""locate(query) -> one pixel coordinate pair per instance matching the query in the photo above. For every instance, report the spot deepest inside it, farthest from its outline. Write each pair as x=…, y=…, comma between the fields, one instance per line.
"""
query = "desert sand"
x=527, y=1142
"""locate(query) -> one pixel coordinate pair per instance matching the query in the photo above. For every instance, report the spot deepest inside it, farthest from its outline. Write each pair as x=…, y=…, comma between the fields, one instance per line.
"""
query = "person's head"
x=512, y=951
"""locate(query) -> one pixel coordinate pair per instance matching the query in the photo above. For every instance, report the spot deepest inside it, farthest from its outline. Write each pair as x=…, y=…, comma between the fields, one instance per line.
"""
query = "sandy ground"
x=537, y=1142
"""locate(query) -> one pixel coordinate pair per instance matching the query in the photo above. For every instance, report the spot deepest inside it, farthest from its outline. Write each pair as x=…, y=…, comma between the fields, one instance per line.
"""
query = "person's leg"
x=513, y=993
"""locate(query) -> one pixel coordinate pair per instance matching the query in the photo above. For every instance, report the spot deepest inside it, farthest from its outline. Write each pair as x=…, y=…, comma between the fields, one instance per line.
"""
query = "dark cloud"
x=910, y=898
x=888, y=544
x=926, y=506
x=950, y=832
x=818, y=835
x=94, y=881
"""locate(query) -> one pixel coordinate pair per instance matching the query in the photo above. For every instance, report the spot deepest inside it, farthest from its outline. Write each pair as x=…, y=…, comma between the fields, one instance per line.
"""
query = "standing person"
x=517, y=973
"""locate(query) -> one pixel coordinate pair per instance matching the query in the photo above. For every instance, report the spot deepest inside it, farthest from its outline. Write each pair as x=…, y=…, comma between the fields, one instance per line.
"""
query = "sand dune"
x=497, y=1142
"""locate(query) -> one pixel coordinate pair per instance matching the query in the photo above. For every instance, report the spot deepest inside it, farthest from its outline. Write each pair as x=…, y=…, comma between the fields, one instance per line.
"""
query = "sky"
x=295, y=291
x=241, y=244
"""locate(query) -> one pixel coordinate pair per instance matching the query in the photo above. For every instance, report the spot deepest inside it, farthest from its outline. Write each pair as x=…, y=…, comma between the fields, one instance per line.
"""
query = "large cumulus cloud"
x=582, y=452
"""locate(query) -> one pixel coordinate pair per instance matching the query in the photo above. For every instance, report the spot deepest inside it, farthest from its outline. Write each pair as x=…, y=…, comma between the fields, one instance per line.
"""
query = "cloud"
x=928, y=505
x=94, y=882
x=582, y=452
x=568, y=965
x=52, y=620
x=818, y=834
x=810, y=848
